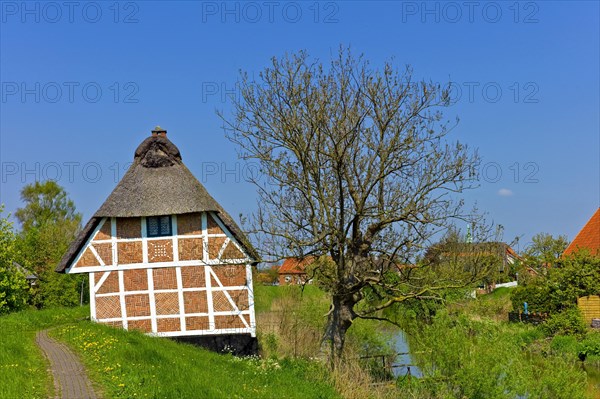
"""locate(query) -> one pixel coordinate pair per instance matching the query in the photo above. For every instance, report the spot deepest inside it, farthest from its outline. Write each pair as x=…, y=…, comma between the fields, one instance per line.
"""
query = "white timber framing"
x=174, y=290
x=236, y=310
x=155, y=265
x=250, y=288
x=113, y=241
x=228, y=233
x=152, y=300
x=93, y=290
x=85, y=246
x=122, y=299
x=207, y=278
x=99, y=274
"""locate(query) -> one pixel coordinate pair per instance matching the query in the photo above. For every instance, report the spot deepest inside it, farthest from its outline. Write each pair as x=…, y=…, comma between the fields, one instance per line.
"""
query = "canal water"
x=403, y=361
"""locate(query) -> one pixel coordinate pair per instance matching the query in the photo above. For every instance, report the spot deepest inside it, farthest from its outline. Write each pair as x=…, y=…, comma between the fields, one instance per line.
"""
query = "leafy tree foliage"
x=575, y=276
x=357, y=169
x=13, y=286
x=545, y=251
x=49, y=223
x=47, y=203
x=568, y=322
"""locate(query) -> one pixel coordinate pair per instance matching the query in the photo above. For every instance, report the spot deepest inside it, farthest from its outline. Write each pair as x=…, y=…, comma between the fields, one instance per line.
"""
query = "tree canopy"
x=355, y=169
x=545, y=250
x=575, y=276
x=49, y=223
x=14, y=290
x=45, y=203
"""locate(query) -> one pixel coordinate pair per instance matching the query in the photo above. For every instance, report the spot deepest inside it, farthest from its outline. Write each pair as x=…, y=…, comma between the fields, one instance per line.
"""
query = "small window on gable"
x=158, y=226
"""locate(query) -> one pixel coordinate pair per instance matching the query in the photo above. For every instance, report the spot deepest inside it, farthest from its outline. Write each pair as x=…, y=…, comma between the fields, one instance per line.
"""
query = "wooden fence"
x=590, y=307
x=381, y=366
x=533, y=318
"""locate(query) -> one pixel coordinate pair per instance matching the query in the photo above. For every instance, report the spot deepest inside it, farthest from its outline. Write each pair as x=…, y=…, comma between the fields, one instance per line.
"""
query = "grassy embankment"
x=470, y=350
x=129, y=364
x=22, y=365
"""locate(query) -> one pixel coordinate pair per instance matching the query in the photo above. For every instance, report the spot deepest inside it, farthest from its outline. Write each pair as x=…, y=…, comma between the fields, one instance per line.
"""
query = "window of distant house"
x=158, y=226
x=288, y=279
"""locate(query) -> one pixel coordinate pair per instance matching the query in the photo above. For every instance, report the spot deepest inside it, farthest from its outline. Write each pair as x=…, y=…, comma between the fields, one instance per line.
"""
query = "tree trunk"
x=339, y=320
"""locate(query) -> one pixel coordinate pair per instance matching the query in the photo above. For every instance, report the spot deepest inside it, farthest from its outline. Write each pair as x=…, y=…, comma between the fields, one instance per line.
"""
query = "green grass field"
x=22, y=365
x=265, y=295
x=131, y=365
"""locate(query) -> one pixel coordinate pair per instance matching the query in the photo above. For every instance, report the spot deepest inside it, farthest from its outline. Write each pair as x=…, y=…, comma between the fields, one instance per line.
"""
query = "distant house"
x=505, y=255
x=474, y=255
x=588, y=238
x=164, y=257
x=268, y=276
x=31, y=277
x=293, y=271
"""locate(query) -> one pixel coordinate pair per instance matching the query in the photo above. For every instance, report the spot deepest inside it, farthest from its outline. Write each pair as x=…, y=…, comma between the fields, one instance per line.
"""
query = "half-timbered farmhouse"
x=163, y=256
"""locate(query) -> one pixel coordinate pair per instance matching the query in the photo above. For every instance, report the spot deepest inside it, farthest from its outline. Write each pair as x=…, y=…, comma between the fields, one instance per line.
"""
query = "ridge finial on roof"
x=157, y=151
x=159, y=131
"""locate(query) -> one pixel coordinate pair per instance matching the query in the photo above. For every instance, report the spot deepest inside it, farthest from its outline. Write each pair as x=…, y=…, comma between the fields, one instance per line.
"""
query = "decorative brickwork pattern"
x=212, y=226
x=168, y=324
x=130, y=252
x=104, y=252
x=108, y=307
x=231, y=275
x=221, y=303
x=135, y=280
x=167, y=303
x=87, y=259
x=141, y=325
x=137, y=305
x=105, y=232
x=240, y=298
x=164, y=278
x=110, y=285
x=232, y=252
x=214, y=246
x=196, y=323
x=195, y=302
x=193, y=276
x=188, y=224
x=190, y=248
x=160, y=251
x=129, y=227
x=233, y=321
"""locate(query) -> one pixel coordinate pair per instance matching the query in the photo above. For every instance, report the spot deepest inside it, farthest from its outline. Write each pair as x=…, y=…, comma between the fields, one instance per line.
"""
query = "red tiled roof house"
x=588, y=238
x=293, y=271
x=163, y=256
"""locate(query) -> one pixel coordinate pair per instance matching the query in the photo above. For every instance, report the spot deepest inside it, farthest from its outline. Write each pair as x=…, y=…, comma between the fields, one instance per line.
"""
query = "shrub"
x=567, y=322
x=590, y=346
x=576, y=276
x=565, y=344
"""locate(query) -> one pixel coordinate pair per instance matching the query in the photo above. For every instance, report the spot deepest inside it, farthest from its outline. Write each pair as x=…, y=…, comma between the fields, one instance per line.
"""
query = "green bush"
x=576, y=276
x=567, y=322
x=565, y=344
x=14, y=291
x=590, y=346
x=466, y=358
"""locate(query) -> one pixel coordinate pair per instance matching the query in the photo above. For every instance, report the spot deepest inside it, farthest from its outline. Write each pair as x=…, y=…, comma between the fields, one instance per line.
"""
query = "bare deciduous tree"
x=355, y=169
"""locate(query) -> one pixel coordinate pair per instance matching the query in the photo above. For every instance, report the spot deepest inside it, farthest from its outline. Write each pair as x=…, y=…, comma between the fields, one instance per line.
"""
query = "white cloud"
x=505, y=192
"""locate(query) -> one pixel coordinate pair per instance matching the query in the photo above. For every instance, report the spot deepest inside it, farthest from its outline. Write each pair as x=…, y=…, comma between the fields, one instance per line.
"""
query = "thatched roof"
x=157, y=183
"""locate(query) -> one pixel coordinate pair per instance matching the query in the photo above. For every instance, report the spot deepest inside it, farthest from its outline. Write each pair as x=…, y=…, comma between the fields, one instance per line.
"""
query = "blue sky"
x=82, y=85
